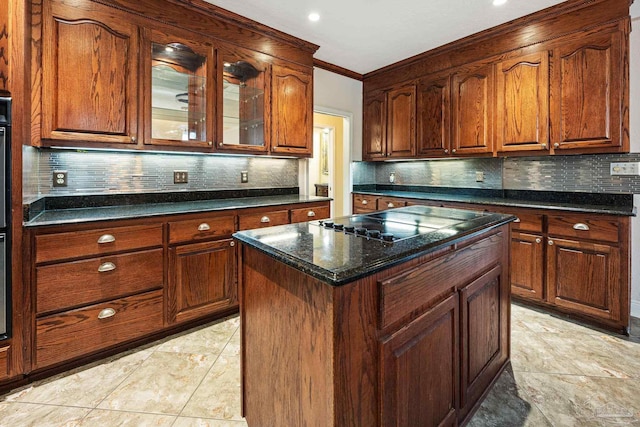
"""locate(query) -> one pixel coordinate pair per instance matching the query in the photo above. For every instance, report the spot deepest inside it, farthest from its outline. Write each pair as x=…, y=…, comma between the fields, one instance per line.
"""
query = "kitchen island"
x=398, y=318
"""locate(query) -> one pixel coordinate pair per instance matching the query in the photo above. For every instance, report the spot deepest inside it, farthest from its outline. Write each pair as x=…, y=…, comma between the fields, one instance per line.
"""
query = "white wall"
x=336, y=92
x=634, y=125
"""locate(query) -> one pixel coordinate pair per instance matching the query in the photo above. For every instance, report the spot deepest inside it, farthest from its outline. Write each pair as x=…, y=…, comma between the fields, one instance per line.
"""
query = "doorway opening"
x=329, y=171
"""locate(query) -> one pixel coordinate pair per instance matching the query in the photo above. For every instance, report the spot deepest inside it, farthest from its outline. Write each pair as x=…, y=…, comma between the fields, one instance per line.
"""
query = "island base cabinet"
x=4, y=362
x=485, y=311
x=202, y=279
x=430, y=340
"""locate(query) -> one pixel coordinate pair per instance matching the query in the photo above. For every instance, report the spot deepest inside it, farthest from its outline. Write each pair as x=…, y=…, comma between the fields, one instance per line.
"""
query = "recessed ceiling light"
x=499, y=2
x=314, y=17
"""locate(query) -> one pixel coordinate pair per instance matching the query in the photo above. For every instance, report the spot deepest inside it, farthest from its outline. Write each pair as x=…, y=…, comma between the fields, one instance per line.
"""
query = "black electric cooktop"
x=392, y=226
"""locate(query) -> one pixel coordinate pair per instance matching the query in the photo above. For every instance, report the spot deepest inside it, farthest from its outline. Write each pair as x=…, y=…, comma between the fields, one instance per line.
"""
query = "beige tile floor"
x=562, y=374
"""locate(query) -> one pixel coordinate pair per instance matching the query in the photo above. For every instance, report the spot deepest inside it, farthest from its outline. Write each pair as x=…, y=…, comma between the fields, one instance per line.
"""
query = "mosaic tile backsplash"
x=587, y=173
x=91, y=172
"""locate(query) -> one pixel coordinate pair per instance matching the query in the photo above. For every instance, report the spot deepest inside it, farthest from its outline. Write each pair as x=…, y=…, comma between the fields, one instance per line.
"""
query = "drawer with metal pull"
x=584, y=227
x=201, y=228
x=78, y=244
x=73, y=333
x=390, y=203
x=73, y=284
x=264, y=219
x=363, y=203
x=309, y=214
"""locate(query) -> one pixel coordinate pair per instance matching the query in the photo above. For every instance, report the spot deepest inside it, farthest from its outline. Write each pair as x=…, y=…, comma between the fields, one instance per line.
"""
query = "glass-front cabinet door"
x=244, y=103
x=179, y=101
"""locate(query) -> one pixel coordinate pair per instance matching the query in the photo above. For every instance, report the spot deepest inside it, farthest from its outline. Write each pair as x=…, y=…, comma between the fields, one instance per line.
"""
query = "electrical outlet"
x=180, y=177
x=625, y=168
x=479, y=176
x=392, y=177
x=59, y=178
x=244, y=177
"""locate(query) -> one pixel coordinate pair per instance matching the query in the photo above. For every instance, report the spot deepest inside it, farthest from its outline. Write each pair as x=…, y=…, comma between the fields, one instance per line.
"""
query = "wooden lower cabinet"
x=485, y=335
x=584, y=277
x=527, y=265
x=429, y=340
x=202, y=279
x=64, y=336
x=4, y=361
x=576, y=263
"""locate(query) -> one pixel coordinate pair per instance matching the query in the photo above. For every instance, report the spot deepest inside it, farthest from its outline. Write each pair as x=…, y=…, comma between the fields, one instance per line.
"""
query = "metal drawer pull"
x=390, y=205
x=106, y=266
x=364, y=202
x=538, y=240
x=204, y=227
x=581, y=226
x=265, y=219
x=106, y=238
x=516, y=220
x=106, y=313
x=311, y=213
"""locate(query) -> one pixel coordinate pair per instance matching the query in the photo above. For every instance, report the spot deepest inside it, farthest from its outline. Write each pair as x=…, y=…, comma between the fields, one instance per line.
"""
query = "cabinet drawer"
x=203, y=228
x=526, y=221
x=309, y=214
x=362, y=202
x=58, y=336
x=390, y=203
x=76, y=244
x=584, y=227
x=265, y=219
x=4, y=362
x=72, y=284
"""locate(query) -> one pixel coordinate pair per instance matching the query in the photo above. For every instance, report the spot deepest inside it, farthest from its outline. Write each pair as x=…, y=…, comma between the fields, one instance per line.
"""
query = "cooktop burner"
x=391, y=226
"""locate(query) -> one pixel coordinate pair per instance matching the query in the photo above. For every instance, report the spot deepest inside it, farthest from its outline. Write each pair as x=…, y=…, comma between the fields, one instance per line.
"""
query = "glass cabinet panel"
x=243, y=104
x=180, y=94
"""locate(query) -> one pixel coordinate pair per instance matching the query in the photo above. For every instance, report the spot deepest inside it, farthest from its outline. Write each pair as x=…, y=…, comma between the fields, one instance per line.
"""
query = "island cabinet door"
x=484, y=335
x=413, y=393
x=202, y=279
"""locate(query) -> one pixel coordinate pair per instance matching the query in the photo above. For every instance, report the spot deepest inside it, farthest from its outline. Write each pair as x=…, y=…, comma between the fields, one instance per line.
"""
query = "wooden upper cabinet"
x=292, y=111
x=433, y=110
x=245, y=102
x=90, y=75
x=375, y=129
x=587, y=84
x=401, y=119
x=522, y=99
x=472, y=115
x=4, y=70
x=179, y=82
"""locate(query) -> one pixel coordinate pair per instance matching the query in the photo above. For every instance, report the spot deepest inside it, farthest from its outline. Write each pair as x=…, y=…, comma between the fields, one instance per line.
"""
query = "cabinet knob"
x=106, y=313
x=544, y=146
x=538, y=240
x=364, y=202
x=446, y=151
x=265, y=219
x=556, y=145
x=232, y=243
x=106, y=266
x=550, y=242
x=220, y=144
x=453, y=151
x=581, y=226
x=390, y=205
x=516, y=220
x=133, y=139
x=204, y=227
x=106, y=238
x=311, y=214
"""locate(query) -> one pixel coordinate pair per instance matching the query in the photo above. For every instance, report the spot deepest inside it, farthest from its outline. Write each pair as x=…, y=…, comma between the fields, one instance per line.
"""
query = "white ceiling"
x=364, y=35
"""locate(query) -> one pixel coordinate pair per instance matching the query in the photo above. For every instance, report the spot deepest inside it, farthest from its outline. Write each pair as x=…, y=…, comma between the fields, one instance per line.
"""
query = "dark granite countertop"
x=337, y=258
x=611, y=204
x=147, y=209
